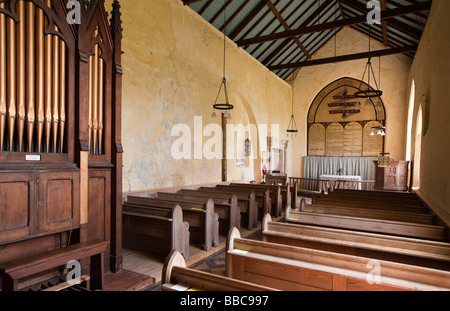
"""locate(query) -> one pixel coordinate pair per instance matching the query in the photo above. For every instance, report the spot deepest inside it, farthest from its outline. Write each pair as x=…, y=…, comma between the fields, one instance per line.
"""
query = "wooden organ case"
x=60, y=128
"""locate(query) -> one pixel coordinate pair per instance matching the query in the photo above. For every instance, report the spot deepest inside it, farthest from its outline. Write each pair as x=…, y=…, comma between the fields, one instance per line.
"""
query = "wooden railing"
x=328, y=185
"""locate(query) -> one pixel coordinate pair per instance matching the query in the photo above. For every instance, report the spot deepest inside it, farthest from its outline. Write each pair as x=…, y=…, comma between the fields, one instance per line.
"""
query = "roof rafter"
x=287, y=27
x=422, y=6
x=349, y=57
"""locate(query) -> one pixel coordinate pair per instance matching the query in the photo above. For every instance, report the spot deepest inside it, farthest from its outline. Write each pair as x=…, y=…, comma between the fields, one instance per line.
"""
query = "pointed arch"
x=337, y=104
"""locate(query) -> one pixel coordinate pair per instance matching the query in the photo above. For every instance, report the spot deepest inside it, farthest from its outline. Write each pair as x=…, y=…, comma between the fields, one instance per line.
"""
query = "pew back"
x=287, y=267
x=158, y=230
x=368, y=213
x=246, y=202
x=431, y=254
x=226, y=208
x=203, y=221
x=399, y=228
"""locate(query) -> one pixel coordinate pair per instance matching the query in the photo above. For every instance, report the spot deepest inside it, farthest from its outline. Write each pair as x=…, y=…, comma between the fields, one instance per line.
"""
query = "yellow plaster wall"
x=431, y=74
x=172, y=66
x=394, y=84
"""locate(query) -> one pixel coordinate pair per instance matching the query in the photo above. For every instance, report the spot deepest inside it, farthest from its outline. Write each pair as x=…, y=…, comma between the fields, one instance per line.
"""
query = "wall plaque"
x=335, y=140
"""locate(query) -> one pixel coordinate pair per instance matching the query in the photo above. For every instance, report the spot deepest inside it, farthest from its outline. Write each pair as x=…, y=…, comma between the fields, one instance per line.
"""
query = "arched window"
x=417, y=149
x=410, y=121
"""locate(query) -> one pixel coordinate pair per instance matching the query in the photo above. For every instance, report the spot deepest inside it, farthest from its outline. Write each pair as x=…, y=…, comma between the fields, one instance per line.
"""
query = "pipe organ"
x=60, y=142
x=32, y=82
x=96, y=72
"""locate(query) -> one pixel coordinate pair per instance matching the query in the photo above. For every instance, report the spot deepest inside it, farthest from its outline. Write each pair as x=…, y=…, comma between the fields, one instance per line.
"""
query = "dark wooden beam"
x=311, y=18
x=234, y=15
x=343, y=58
x=220, y=12
x=248, y=19
x=287, y=27
x=188, y=2
x=384, y=24
x=399, y=25
x=422, y=6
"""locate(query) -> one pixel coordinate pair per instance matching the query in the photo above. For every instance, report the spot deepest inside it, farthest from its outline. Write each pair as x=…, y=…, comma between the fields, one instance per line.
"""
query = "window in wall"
x=417, y=150
x=410, y=121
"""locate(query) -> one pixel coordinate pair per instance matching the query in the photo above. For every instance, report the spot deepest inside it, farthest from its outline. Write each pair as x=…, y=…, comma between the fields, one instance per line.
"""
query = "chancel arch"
x=345, y=119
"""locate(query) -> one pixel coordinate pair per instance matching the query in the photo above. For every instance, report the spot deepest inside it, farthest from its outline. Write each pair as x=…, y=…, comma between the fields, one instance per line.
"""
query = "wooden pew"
x=385, y=201
x=262, y=197
x=203, y=221
x=377, y=194
x=294, y=268
x=159, y=230
x=227, y=209
x=177, y=277
x=368, y=213
x=289, y=194
x=399, y=228
x=374, y=197
x=19, y=269
x=276, y=197
x=246, y=202
x=370, y=205
x=424, y=253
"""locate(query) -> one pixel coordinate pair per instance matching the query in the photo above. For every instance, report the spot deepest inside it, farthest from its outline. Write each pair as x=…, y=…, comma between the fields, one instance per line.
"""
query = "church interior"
x=264, y=145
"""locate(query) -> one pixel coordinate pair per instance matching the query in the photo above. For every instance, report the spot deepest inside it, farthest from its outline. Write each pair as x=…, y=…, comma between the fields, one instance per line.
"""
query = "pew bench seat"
x=431, y=254
x=399, y=228
x=286, y=267
x=14, y=271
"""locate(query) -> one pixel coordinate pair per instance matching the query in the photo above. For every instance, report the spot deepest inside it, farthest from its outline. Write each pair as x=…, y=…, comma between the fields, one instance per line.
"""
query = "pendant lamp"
x=292, y=127
x=224, y=106
x=369, y=93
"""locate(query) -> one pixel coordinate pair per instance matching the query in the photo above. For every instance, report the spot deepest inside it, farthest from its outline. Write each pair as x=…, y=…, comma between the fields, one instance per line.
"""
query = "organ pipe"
x=48, y=85
x=33, y=74
x=11, y=81
x=40, y=65
x=21, y=74
x=3, y=110
x=62, y=94
x=30, y=78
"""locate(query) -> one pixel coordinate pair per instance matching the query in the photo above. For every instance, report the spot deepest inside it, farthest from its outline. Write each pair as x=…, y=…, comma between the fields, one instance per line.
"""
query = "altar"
x=333, y=179
x=361, y=167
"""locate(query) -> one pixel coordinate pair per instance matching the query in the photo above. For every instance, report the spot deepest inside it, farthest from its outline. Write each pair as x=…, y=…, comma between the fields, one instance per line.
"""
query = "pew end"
x=177, y=277
x=265, y=223
x=174, y=259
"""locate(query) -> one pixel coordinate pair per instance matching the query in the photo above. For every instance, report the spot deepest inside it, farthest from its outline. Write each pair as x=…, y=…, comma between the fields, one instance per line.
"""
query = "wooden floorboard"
x=149, y=265
x=126, y=280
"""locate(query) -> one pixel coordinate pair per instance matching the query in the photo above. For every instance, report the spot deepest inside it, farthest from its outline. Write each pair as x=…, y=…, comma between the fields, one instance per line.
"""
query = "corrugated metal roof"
x=258, y=20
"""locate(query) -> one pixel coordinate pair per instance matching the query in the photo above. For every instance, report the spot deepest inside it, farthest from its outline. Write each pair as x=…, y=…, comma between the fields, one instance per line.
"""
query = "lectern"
x=392, y=178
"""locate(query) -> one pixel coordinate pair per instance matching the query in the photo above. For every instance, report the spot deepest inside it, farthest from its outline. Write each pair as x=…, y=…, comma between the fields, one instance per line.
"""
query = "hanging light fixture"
x=226, y=106
x=292, y=127
x=369, y=93
x=381, y=130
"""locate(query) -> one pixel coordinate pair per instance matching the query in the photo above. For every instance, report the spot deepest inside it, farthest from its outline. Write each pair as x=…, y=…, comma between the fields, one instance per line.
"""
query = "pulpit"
x=392, y=178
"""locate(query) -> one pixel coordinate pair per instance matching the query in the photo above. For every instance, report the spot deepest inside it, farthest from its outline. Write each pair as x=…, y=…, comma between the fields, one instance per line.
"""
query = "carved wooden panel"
x=59, y=200
x=17, y=215
x=98, y=226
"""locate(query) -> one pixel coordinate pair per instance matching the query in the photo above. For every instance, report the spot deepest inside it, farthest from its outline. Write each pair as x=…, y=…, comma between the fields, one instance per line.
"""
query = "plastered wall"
x=172, y=66
x=431, y=75
x=394, y=84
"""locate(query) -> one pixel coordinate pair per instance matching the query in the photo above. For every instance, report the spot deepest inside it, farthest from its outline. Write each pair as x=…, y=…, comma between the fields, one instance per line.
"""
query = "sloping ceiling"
x=284, y=34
